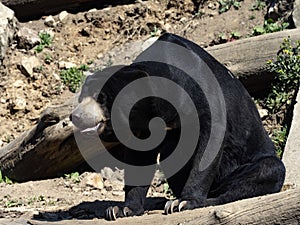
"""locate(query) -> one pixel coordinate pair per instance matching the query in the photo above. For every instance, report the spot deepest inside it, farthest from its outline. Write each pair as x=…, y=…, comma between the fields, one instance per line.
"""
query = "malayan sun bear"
x=242, y=165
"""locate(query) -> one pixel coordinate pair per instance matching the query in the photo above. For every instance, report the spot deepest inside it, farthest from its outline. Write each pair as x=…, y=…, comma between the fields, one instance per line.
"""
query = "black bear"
x=242, y=164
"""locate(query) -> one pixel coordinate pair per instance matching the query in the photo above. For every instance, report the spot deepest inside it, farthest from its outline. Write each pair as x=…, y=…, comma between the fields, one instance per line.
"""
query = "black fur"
x=246, y=165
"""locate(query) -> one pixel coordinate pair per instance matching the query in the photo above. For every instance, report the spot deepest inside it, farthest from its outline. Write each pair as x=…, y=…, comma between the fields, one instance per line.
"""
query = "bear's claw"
x=111, y=213
x=174, y=206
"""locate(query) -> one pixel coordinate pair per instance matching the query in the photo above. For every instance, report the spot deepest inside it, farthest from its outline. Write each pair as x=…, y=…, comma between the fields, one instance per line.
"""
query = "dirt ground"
x=84, y=38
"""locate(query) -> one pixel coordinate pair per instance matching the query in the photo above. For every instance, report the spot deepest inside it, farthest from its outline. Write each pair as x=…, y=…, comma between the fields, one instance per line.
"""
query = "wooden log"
x=247, y=58
x=47, y=150
x=279, y=208
x=33, y=9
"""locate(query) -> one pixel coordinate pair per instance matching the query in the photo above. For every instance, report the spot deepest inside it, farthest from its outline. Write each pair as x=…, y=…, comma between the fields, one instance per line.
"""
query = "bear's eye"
x=101, y=98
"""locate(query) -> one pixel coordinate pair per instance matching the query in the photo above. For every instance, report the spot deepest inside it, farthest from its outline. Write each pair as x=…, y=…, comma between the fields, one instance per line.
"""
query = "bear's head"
x=93, y=113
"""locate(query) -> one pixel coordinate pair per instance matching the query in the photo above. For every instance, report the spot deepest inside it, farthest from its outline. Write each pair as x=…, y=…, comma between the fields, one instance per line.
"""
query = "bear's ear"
x=132, y=73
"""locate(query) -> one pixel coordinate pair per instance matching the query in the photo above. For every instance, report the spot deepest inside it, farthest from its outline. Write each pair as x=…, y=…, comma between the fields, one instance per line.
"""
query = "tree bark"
x=49, y=148
x=247, y=58
x=33, y=9
x=279, y=208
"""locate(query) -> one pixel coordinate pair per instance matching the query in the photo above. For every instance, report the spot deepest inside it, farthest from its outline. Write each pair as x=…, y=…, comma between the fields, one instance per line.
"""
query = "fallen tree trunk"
x=279, y=208
x=33, y=9
x=49, y=149
x=247, y=58
x=43, y=151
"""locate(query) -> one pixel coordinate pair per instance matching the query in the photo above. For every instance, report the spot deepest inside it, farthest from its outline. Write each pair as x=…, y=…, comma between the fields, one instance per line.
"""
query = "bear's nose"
x=74, y=117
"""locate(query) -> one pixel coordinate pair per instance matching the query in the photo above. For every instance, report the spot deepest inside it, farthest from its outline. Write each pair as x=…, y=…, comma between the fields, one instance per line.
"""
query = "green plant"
x=5, y=179
x=13, y=203
x=270, y=26
x=279, y=138
x=8, y=138
x=90, y=61
x=46, y=41
x=48, y=59
x=199, y=14
x=234, y=35
x=74, y=177
x=168, y=191
x=225, y=5
x=258, y=5
x=74, y=77
x=38, y=69
x=108, y=63
x=155, y=31
x=252, y=17
x=223, y=38
x=287, y=75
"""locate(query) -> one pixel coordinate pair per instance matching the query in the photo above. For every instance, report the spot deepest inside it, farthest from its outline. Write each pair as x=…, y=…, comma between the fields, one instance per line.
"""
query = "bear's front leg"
x=195, y=191
x=134, y=203
x=139, y=172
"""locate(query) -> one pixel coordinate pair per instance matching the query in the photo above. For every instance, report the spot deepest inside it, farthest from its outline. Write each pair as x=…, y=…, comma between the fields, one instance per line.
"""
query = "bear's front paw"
x=178, y=205
x=114, y=212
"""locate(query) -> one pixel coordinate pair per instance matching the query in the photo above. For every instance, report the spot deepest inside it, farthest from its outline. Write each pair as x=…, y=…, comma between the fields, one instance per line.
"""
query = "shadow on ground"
x=92, y=210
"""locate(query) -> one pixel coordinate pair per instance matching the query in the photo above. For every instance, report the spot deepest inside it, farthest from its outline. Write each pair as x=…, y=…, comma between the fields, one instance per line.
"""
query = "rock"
x=63, y=16
x=49, y=21
x=66, y=65
x=280, y=9
x=116, y=176
x=8, y=24
x=28, y=64
x=117, y=193
x=113, y=186
x=124, y=55
x=296, y=13
x=56, y=76
x=93, y=180
x=18, y=83
x=148, y=43
x=263, y=113
x=291, y=154
x=19, y=103
x=27, y=38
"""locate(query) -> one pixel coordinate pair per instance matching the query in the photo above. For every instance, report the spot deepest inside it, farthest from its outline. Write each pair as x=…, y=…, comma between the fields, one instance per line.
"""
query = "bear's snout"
x=88, y=115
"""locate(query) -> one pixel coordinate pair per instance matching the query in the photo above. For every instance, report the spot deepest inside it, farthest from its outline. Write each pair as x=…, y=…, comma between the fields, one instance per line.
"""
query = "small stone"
x=86, y=193
x=93, y=10
x=263, y=113
x=49, y=21
x=104, y=191
x=115, y=176
x=117, y=193
x=222, y=213
x=296, y=13
x=8, y=25
x=100, y=55
x=56, y=76
x=63, y=16
x=27, y=38
x=28, y=64
x=212, y=5
x=19, y=104
x=76, y=189
x=93, y=180
x=168, y=27
x=66, y=65
x=18, y=83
